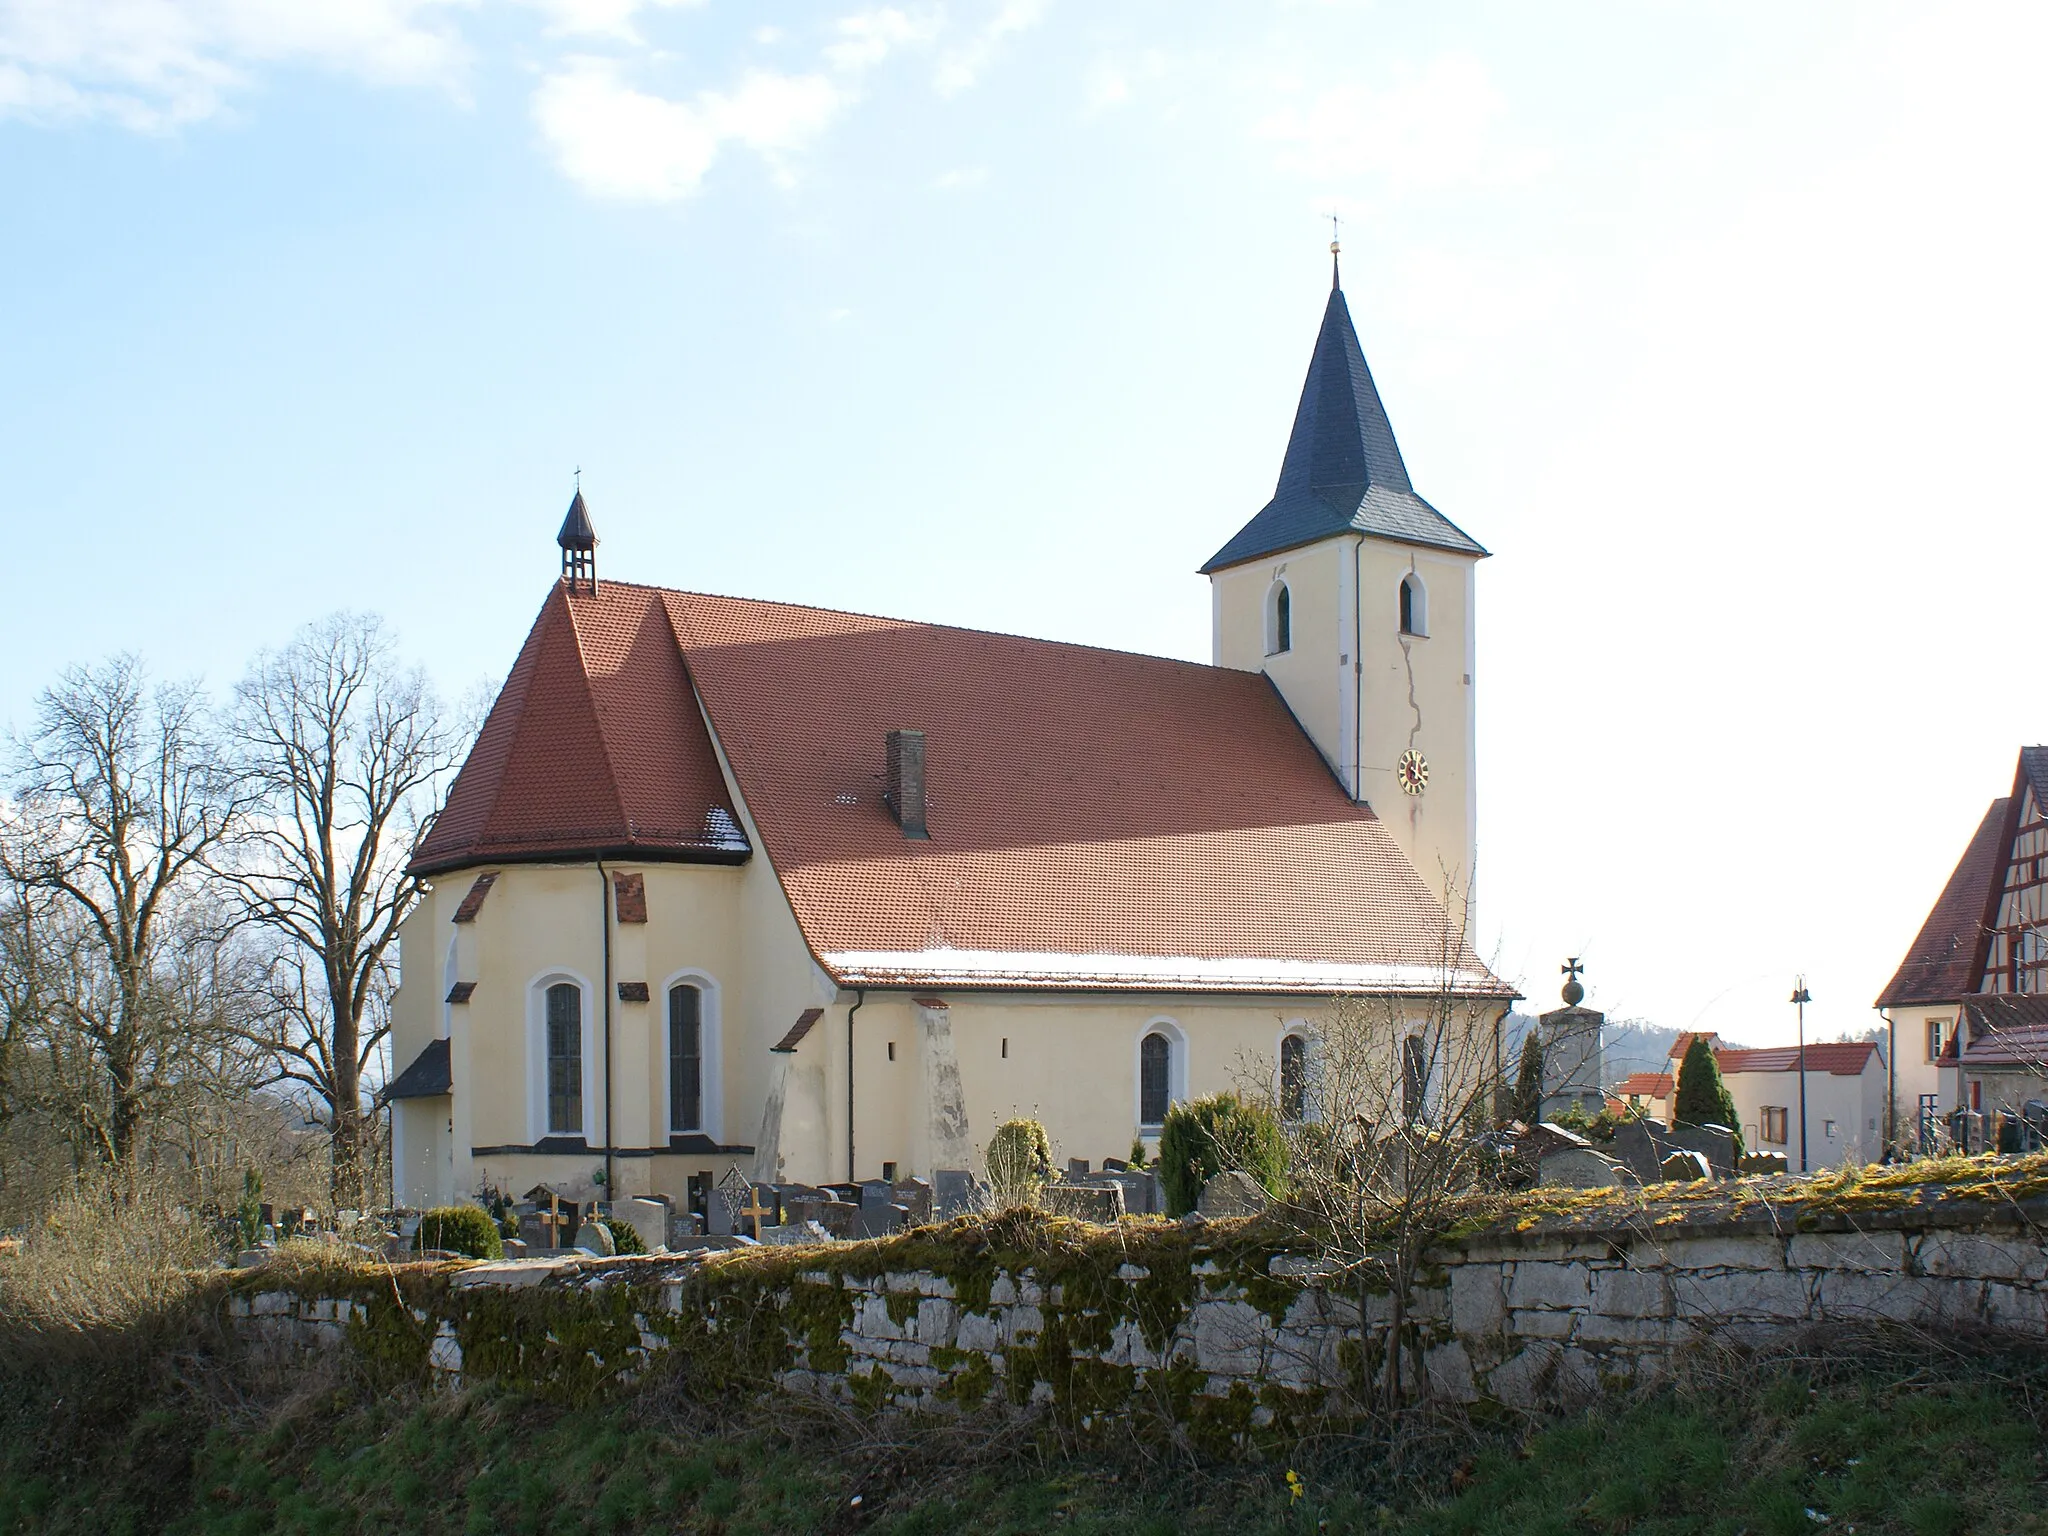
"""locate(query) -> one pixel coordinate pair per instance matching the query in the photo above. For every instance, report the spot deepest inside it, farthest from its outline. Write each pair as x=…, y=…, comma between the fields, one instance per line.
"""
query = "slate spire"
x=1342, y=471
x=578, y=541
x=1342, y=441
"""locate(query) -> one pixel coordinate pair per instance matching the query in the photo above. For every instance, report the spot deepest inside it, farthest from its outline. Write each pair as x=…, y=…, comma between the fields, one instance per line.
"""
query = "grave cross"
x=1572, y=969
x=755, y=1210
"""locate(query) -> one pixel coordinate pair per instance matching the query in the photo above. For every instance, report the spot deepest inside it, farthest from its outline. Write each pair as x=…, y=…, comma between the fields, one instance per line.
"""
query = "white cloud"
x=620, y=142
x=960, y=67
x=154, y=64
x=868, y=37
x=600, y=18
x=1439, y=128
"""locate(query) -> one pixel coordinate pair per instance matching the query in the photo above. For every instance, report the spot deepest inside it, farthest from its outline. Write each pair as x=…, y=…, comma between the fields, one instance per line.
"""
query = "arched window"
x=1279, y=619
x=685, y=1057
x=1155, y=1078
x=565, y=1059
x=1293, y=1078
x=1414, y=606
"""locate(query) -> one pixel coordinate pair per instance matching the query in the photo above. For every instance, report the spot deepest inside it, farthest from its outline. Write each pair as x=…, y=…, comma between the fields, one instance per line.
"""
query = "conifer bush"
x=1527, y=1105
x=465, y=1229
x=1019, y=1158
x=1703, y=1098
x=625, y=1236
x=1201, y=1139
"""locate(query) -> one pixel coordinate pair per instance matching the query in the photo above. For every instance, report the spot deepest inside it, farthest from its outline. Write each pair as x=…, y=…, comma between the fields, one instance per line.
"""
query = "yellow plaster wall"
x=1410, y=690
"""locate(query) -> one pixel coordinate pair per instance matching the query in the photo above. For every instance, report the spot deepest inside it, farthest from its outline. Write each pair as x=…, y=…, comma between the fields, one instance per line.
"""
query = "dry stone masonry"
x=1224, y=1324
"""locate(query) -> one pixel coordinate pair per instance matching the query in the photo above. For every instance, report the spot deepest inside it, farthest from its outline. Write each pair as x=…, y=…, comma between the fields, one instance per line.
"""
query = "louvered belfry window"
x=685, y=1058
x=565, y=1060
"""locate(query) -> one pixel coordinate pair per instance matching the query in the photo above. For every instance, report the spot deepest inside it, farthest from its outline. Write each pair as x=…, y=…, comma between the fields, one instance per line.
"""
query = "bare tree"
x=1388, y=1138
x=119, y=797
x=344, y=749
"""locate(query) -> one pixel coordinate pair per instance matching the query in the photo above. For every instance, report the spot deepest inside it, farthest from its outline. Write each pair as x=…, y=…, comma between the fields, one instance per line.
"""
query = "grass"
x=1921, y=1441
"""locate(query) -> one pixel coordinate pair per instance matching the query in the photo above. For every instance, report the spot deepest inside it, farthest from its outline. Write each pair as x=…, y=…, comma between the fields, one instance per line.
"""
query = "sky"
x=1718, y=324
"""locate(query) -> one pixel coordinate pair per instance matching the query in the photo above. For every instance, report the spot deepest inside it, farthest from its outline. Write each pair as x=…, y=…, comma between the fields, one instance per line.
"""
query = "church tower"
x=1355, y=597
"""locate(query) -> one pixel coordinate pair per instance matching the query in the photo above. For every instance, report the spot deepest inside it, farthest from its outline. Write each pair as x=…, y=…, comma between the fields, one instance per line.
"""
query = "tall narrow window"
x=1279, y=619
x=1294, y=1078
x=565, y=1060
x=685, y=1058
x=1414, y=606
x=1414, y=1076
x=1155, y=1078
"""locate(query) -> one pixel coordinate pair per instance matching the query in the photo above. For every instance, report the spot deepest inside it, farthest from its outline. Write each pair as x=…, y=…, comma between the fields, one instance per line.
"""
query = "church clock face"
x=1413, y=772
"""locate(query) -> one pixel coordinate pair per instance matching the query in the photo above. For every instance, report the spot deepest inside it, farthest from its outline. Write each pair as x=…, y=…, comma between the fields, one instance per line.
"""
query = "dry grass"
x=108, y=1256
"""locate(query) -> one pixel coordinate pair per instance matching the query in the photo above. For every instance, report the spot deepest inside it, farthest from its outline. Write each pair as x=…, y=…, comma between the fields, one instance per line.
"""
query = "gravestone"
x=684, y=1228
x=1099, y=1203
x=915, y=1196
x=535, y=1231
x=1141, y=1190
x=649, y=1217
x=954, y=1193
x=595, y=1237
x=1233, y=1193
x=794, y=1235
x=839, y=1218
x=1077, y=1167
x=1716, y=1143
x=880, y=1215
x=1114, y=1165
x=1761, y=1163
x=1684, y=1167
x=1579, y=1168
x=1644, y=1144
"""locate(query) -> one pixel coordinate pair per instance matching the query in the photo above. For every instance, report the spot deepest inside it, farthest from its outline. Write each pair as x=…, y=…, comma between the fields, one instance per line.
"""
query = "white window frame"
x=1418, y=605
x=711, y=1058
x=537, y=1055
x=1176, y=1070
x=1272, y=626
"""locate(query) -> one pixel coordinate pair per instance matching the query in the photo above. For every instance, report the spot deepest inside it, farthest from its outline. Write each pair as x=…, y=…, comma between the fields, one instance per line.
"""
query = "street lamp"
x=1800, y=998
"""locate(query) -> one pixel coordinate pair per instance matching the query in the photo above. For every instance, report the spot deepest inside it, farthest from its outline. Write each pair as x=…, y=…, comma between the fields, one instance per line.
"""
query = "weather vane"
x=1333, y=234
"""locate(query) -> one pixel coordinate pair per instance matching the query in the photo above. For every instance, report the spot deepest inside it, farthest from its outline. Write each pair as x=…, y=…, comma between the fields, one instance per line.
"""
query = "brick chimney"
x=905, y=791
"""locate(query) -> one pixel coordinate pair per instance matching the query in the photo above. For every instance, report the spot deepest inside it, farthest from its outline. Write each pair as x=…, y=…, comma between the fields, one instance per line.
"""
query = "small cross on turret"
x=578, y=540
x=1574, y=994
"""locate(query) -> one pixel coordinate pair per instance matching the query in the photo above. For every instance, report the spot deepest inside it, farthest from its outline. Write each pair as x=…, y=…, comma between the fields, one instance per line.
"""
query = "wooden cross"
x=1572, y=968
x=755, y=1209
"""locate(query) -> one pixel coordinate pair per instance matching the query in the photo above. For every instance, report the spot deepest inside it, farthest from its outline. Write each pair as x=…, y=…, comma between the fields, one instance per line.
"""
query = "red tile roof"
x=594, y=746
x=1941, y=965
x=1097, y=818
x=1839, y=1058
x=1649, y=1085
x=2004, y=1030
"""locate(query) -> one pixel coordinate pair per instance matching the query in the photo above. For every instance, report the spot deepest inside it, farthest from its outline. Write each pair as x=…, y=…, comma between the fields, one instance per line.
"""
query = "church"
x=728, y=883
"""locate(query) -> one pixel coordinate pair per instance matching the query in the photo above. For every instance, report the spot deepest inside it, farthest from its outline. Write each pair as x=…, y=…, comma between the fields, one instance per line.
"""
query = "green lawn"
x=1932, y=1446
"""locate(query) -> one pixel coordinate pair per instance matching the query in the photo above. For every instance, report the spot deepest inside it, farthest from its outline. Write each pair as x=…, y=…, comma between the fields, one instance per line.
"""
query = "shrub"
x=1703, y=1099
x=249, y=1211
x=113, y=1253
x=1201, y=1139
x=1527, y=1104
x=1137, y=1152
x=1019, y=1161
x=466, y=1229
x=625, y=1236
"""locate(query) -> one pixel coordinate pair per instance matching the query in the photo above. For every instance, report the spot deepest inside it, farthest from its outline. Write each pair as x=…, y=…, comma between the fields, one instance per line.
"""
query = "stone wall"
x=1225, y=1327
